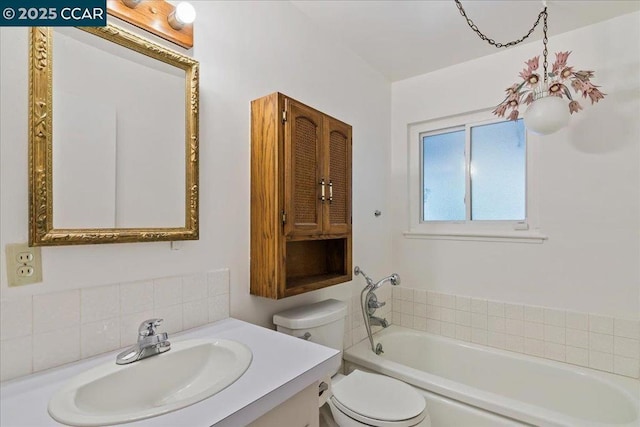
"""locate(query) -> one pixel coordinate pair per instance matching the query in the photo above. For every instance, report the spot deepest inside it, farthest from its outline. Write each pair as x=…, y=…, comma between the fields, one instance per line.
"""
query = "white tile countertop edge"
x=281, y=367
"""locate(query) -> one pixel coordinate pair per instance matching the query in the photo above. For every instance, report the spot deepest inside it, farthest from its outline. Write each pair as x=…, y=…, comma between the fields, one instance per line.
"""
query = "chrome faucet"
x=150, y=343
x=370, y=303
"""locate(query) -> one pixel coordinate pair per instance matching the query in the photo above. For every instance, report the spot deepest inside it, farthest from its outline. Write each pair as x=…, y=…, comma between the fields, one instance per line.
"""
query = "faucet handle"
x=148, y=327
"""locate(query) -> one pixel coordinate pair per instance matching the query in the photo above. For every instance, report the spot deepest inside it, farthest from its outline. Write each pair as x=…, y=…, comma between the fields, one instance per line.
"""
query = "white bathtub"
x=471, y=385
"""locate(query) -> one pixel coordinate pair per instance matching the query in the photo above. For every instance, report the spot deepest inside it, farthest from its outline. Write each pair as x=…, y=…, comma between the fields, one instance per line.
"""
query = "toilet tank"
x=323, y=321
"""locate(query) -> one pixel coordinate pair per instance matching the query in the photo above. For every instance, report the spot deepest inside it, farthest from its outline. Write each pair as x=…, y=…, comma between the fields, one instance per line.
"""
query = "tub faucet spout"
x=376, y=321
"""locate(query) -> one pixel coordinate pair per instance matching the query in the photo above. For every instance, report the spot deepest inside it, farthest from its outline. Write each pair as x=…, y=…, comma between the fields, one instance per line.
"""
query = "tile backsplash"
x=585, y=339
x=48, y=330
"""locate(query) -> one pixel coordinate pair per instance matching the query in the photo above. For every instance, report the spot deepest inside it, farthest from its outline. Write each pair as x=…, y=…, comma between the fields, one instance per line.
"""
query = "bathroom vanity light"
x=182, y=15
x=548, y=111
x=159, y=17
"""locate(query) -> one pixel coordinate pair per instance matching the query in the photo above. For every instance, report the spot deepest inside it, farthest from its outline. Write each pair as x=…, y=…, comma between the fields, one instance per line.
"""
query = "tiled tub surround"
x=48, y=330
x=590, y=340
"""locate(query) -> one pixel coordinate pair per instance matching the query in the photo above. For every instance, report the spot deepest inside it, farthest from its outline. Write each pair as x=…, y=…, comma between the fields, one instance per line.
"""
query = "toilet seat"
x=378, y=400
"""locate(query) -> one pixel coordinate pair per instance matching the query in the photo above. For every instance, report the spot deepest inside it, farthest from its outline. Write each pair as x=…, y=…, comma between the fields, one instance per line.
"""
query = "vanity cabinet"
x=300, y=198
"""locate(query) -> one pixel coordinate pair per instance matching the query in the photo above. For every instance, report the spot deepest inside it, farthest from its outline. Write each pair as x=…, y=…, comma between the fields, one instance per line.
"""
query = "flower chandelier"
x=547, y=110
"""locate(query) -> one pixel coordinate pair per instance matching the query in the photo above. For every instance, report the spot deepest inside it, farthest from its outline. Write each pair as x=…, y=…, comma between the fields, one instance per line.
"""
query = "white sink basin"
x=111, y=394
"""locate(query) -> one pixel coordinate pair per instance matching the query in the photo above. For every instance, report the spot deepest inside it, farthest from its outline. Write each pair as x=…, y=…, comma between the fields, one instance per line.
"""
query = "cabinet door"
x=337, y=159
x=303, y=171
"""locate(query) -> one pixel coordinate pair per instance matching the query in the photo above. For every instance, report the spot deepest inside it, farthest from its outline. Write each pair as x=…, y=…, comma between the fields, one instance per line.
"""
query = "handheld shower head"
x=358, y=271
x=394, y=279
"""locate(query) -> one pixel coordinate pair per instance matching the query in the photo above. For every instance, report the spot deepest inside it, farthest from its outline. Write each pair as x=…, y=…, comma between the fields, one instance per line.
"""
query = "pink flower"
x=533, y=79
x=532, y=64
x=555, y=89
x=529, y=99
x=574, y=107
x=583, y=75
x=577, y=85
x=511, y=90
x=513, y=115
x=525, y=74
x=595, y=95
x=500, y=110
x=561, y=61
x=566, y=72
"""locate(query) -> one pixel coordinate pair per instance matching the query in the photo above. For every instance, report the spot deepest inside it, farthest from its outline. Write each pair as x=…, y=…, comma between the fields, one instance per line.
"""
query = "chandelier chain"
x=492, y=42
x=545, y=40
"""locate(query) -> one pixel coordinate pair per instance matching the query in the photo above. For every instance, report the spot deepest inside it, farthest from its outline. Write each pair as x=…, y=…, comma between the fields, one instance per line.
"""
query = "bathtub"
x=471, y=385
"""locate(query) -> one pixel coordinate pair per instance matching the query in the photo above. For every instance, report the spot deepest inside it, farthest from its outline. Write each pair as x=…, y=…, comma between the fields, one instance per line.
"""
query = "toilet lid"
x=378, y=397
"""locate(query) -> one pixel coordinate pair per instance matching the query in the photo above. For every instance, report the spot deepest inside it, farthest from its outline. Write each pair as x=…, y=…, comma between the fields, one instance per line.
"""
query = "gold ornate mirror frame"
x=41, y=230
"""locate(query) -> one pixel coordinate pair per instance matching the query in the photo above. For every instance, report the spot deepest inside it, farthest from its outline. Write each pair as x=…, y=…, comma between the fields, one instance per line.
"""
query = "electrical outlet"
x=24, y=264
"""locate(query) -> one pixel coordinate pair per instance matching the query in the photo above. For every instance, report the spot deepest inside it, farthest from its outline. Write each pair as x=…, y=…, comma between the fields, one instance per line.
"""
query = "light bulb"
x=547, y=115
x=182, y=15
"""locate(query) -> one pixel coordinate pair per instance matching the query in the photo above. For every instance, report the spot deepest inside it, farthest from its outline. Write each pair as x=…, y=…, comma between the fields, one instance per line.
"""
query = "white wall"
x=588, y=180
x=246, y=50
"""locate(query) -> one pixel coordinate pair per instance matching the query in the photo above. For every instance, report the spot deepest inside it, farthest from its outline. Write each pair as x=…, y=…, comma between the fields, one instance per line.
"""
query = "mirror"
x=113, y=138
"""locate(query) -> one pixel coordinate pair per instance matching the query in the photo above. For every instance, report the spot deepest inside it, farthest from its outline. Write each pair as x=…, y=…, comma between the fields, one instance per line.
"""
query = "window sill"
x=524, y=236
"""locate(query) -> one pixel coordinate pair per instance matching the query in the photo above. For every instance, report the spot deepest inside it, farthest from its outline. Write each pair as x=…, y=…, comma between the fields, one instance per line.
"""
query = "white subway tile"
x=420, y=296
x=463, y=303
x=419, y=309
x=420, y=323
x=479, y=305
x=99, y=303
x=514, y=311
x=601, y=324
x=172, y=316
x=56, y=348
x=16, y=318
x=627, y=328
x=554, y=317
x=397, y=292
x=218, y=282
x=534, y=347
x=359, y=334
x=136, y=297
x=434, y=326
x=514, y=327
x=479, y=321
x=534, y=330
x=577, y=320
x=396, y=318
x=554, y=334
x=479, y=336
x=577, y=356
x=463, y=333
x=496, y=339
x=448, y=315
x=167, y=292
x=601, y=342
x=448, y=301
x=463, y=318
x=16, y=357
x=626, y=347
x=496, y=324
x=397, y=305
x=433, y=298
x=55, y=311
x=448, y=329
x=577, y=338
x=495, y=308
x=514, y=343
x=434, y=312
x=196, y=313
x=219, y=307
x=533, y=314
x=99, y=337
x=129, y=324
x=601, y=361
x=555, y=351
x=627, y=366
x=194, y=287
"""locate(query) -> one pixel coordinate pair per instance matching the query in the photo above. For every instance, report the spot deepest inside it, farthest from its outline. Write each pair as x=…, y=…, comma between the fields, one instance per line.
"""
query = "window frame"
x=484, y=230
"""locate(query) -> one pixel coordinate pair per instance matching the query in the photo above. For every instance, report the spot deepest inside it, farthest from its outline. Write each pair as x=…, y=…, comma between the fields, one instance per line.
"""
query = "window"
x=474, y=173
x=471, y=178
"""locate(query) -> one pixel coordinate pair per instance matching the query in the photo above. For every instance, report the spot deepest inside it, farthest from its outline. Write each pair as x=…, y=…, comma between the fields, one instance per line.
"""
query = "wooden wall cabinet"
x=300, y=198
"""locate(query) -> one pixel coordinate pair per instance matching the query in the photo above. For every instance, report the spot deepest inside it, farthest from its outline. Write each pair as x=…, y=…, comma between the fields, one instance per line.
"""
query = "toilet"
x=360, y=398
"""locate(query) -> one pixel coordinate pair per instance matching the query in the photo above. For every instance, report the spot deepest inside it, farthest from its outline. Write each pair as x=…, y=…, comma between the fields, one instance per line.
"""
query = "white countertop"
x=281, y=367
